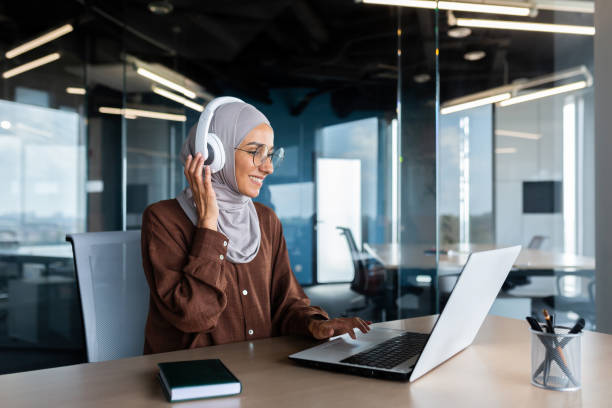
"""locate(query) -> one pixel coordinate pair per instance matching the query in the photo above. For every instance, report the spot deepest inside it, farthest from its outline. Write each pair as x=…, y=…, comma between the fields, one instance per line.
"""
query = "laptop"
x=404, y=355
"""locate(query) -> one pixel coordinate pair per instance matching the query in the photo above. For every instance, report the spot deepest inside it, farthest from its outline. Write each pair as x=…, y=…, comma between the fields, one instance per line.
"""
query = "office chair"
x=536, y=242
x=512, y=282
x=113, y=291
x=369, y=277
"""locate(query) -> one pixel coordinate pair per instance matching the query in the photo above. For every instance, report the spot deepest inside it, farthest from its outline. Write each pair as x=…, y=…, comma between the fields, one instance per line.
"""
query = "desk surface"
x=493, y=372
x=414, y=256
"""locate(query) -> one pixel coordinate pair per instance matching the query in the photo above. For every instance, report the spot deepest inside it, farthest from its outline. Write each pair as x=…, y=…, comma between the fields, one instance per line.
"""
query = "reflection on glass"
x=42, y=163
x=538, y=184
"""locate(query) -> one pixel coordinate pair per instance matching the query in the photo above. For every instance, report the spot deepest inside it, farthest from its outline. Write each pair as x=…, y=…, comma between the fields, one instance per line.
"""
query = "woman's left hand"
x=323, y=329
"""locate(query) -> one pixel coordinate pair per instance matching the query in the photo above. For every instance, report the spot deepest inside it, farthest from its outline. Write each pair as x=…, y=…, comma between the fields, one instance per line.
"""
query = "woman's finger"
x=351, y=333
x=194, y=164
x=208, y=179
x=197, y=173
x=187, y=164
x=361, y=326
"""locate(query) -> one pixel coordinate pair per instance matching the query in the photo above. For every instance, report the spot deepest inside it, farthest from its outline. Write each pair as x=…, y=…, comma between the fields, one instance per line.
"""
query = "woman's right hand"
x=204, y=196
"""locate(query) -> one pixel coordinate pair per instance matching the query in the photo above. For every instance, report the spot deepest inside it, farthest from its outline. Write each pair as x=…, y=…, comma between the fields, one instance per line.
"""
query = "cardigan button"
x=221, y=257
x=245, y=292
x=250, y=332
x=224, y=243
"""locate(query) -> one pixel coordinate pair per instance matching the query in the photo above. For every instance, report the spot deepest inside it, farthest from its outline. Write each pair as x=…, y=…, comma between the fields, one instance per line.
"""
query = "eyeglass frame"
x=269, y=156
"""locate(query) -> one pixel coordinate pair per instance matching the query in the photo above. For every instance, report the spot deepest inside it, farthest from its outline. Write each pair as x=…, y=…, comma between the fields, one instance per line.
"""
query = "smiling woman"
x=217, y=263
x=251, y=171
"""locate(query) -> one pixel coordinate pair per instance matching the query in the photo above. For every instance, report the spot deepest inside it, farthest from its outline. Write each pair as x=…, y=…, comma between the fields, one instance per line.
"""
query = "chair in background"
x=369, y=277
x=536, y=242
x=513, y=281
x=114, y=292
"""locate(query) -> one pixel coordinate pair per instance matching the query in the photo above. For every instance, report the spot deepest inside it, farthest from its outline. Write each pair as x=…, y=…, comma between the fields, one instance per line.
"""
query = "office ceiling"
x=326, y=46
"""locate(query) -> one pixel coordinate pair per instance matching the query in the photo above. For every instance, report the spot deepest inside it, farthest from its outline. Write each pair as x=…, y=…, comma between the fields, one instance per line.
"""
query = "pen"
x=533, y=323
x=578, y=326
x=549, y=321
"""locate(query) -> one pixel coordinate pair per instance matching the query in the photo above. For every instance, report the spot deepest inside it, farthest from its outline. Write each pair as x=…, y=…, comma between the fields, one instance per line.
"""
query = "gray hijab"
x=238, y=219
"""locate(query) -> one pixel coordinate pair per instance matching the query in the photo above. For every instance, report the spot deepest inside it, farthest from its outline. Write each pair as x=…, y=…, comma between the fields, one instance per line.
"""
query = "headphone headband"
x=201, y=141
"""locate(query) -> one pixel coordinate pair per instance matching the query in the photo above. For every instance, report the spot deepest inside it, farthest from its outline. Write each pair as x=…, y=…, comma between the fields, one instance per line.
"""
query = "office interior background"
x=412, y=136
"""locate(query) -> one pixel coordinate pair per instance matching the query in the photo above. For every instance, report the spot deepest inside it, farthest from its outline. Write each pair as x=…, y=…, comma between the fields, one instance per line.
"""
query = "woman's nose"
x=267, y=166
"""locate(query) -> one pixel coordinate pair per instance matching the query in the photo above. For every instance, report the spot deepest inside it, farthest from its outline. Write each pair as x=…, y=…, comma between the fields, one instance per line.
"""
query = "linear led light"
x=475, y=103
x=75, y=90
x=542, y=94
x=161, y=80
x=505, y=150
x=177, y=98
x=37, y=42
x=133, y=113
x=572, y=6
x=31, y=65
x=456, y=6
x=517, y=134
x=522, y=26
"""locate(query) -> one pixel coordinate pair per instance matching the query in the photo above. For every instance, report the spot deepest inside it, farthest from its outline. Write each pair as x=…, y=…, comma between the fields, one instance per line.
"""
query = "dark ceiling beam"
x=97, y=10
x=218, y=31
x=284, y=40
x=310, y=21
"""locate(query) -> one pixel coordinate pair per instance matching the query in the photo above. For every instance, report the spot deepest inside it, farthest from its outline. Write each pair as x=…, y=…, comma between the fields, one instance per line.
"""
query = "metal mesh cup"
x=555, y=359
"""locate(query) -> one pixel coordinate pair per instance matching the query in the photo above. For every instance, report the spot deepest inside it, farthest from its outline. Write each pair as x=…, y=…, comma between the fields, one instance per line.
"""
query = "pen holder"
x=555, y=359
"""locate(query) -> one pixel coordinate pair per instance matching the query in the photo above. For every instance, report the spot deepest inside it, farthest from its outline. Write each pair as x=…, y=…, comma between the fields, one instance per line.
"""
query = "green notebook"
x=185, y=380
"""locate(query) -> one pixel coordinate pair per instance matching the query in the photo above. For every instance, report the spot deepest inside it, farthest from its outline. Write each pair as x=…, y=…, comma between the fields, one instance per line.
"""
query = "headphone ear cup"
x=218, y=153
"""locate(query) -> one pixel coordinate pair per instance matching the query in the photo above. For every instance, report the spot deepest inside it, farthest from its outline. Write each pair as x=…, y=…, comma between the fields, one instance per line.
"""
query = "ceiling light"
x=517, y=134
x=505, y=150
x=31, y=65
x=421, y=78
x=475, y=103
x=37, y=42
x=75, y=90
x=5, y=124
x=133, y=113
x=459, y=32
x=161, y=8
x=474, y=55
x=166, y=82
x=483, y=8
x=456, y=6
x=575, y=6
x=542, y=94
x=522, y=26
x=177, y=98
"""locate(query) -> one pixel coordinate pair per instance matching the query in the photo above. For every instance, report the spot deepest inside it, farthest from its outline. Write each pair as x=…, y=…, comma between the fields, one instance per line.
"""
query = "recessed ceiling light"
x=161, y=7
x=474, y=55
x=421, y=78
x=459, y=32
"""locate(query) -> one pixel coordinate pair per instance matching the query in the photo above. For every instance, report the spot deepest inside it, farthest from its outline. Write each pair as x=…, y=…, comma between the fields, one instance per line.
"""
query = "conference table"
x=493, y=372
x=536, y=261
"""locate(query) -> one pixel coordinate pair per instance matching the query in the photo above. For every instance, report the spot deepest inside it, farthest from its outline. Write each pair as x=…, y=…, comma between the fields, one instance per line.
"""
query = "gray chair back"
x=114, y=292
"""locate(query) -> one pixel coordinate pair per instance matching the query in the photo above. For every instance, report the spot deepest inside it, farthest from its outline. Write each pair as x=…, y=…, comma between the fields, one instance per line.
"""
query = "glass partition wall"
x=90, y=136
x=516, y=154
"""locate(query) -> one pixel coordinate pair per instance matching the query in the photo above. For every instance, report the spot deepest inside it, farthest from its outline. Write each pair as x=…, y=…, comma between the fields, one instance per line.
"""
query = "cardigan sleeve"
x=186, y=284
x=291, y=310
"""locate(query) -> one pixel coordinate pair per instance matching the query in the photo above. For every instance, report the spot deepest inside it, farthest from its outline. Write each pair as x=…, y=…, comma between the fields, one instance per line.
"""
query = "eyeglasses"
x=262, y=153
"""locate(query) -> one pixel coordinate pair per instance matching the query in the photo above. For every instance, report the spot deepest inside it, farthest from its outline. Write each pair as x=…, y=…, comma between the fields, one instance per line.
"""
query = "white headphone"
x=209, y=144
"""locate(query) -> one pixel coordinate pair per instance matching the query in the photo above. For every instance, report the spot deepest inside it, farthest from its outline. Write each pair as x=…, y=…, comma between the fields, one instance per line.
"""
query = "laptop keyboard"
x=391, y=352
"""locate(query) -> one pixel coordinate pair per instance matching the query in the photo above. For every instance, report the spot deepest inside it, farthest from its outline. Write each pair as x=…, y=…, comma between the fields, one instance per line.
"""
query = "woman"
x=216, y=262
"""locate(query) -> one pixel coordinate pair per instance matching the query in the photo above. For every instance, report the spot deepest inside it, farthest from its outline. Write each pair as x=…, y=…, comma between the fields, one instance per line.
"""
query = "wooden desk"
x=493, y=372
x=393, y=256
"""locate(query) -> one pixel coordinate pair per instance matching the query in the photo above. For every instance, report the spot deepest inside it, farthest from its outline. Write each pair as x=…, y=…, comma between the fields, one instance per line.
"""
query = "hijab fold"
x=238, y=219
